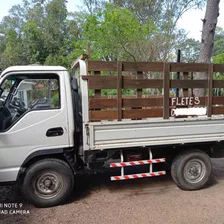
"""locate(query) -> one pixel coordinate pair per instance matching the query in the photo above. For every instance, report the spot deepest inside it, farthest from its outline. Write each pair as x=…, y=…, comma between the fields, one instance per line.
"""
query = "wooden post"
x=185, y=91
x=89, y=51
x=97, y=91
x=166, y=90
x=210, y=88
x=119, y=91
x=139, y=91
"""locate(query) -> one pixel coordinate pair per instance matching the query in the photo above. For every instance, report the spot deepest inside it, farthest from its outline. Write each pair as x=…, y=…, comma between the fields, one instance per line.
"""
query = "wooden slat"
x=102, y=82
x=126, y=114
x=218, y=83
x=203, y=101
x=102, y=103
x=217, y=110
x=142, y=113
x=218, y=100
x=143, y=102
x=108, y=66
x=142, y=83
x=137, y=113
x=126, y=103
x=119, y=91
x=210, y=78
x=166, y=90
x=143, y=66
x=188, y=67
x=218, y=68
x=151, y=66
x=109, y=82
x=97, y=115
x=188, y=83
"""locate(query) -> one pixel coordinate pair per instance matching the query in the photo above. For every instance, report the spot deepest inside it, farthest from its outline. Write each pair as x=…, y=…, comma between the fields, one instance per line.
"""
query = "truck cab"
x=36, y=116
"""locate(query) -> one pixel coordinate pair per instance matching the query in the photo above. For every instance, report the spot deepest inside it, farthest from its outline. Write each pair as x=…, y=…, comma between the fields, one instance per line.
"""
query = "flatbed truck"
x=55, y=125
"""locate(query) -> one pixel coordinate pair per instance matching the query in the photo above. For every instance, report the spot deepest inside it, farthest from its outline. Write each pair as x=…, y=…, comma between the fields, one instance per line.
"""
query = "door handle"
x=54, y=132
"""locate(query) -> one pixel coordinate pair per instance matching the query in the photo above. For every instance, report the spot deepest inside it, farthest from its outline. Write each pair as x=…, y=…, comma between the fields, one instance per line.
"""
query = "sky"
x=190, y=21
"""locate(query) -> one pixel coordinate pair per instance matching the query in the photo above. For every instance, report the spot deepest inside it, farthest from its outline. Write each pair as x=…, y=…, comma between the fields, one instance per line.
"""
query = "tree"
x=114, y=34
x=218, y=41
x=43, y=32
x=207, y=40
x=38, y=32
x=163, y=14
x=189, y=50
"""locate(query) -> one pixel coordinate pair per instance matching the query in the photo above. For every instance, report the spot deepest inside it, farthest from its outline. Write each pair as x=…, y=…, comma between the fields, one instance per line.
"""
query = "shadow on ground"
x=86, y=184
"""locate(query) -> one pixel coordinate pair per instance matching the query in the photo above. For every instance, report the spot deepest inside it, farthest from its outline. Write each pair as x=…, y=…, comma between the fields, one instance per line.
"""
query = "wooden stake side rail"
x=110, y=82
x=122, y=107
x=105, y=103
x=138, y=113
x=152, y=67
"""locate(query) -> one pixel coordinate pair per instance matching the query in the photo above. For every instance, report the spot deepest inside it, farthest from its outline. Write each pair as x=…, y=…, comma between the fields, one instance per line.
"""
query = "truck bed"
x=132, y=119
x=152, y=132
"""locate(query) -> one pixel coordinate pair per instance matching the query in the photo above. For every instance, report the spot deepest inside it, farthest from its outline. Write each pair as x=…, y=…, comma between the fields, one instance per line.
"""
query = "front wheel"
x=191, y=170
x=48, y=182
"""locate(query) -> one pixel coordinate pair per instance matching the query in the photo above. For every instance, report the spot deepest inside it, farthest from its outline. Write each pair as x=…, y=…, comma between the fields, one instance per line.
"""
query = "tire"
x=191, y=170
x=48, y=183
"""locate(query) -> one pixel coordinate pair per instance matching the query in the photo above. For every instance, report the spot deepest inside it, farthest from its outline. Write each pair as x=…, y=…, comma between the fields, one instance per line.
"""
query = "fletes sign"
x=185, y=101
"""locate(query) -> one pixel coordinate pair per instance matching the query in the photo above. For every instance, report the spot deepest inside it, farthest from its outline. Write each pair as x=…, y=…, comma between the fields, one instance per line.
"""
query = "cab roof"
x=32, y=68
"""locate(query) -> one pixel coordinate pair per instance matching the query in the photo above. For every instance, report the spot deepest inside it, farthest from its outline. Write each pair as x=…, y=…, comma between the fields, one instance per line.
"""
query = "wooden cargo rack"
x=119, y=76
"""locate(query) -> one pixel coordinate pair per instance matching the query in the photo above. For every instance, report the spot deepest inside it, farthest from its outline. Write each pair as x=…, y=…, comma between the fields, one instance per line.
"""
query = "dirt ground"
x=152, y=200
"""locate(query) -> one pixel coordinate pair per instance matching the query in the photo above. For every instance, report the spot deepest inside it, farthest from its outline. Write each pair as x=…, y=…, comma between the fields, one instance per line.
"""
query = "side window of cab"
x=23, y=93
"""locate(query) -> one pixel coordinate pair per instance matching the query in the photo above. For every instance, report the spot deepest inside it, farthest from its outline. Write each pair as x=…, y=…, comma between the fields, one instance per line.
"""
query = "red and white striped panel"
x=139, y=175
x=136, y=163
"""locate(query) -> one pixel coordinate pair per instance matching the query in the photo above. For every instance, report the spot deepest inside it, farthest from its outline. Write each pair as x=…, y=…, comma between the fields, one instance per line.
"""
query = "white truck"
x=55, y=125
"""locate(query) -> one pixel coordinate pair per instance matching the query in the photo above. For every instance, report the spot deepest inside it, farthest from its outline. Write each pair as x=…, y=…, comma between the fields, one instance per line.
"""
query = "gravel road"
x=153, y=200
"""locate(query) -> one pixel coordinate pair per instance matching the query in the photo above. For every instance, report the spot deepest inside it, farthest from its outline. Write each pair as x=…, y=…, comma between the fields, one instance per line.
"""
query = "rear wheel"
x=48, y=183
x=191, y=170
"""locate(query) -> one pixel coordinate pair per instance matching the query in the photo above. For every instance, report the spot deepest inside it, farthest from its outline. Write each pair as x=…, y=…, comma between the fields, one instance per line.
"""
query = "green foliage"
x=44, y=32
x=113, y=32
x=218, y=41
x=37, y=32
x=219, y=59
x=189, y=50
x=55, y=100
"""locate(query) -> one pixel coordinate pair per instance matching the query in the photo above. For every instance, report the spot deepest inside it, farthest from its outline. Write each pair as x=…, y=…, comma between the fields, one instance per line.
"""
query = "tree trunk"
x=207, y=40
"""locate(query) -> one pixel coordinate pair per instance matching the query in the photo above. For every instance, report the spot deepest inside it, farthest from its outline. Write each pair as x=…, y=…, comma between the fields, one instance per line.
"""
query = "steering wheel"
x=14, y=116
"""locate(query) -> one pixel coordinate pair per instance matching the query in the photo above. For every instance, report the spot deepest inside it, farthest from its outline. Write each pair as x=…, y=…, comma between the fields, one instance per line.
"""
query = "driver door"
x=34, y=118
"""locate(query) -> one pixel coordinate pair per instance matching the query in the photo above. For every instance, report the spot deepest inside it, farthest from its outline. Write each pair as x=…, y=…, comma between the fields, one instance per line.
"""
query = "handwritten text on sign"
x=185, y=101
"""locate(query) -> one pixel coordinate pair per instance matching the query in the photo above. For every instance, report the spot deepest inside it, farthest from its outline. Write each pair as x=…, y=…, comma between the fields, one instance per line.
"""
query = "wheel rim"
x=194, y=171
x=48, y=184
